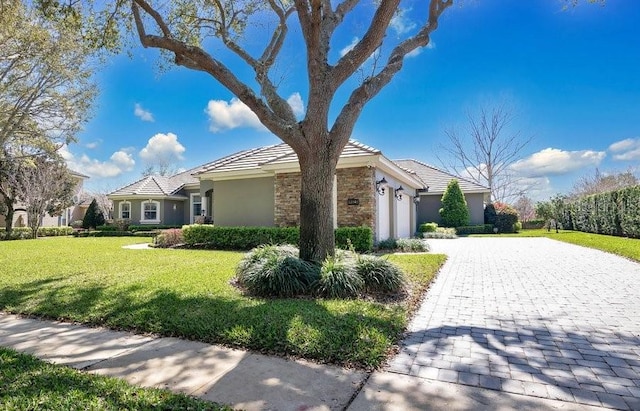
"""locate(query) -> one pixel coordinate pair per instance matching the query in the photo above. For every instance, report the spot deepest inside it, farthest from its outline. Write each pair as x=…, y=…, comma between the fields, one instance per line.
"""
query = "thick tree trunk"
x=317, y=238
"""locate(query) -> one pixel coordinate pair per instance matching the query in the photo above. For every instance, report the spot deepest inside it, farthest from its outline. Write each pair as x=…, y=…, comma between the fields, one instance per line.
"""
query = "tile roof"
x=155, y=185
x=436, y=179
x=254, y=159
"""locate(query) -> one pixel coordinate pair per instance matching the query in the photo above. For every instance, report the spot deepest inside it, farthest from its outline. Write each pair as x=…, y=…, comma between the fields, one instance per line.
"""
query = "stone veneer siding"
x=287, y=200
x=356, y=183
x=353, y=183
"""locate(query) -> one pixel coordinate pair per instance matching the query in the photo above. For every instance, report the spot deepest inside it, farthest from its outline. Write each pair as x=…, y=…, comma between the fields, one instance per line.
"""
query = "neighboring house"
x=261, y=187
x=75, y=212
x=436, y=180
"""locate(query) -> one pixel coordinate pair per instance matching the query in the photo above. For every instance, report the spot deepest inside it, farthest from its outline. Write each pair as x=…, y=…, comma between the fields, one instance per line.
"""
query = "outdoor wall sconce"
x=381, y=185
x=416, y=199
x=398, y=193
x=175, y=207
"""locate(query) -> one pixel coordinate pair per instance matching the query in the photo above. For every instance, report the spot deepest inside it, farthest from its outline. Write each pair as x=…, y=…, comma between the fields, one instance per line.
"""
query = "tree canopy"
x=45, y=91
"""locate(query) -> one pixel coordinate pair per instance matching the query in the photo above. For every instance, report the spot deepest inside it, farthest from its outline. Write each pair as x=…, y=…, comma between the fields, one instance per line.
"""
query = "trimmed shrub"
x=107, y=228
x=23, y=233
x=380, y=275
x=475, y=229
x=411, y=245
x=454, y=211
x=238, y=238
x=360, y=238
x=150, y=227
x=490, y=214
x=506, y=218
x=272, y=270
x=517, y=227
x=169, y=238
x=246, y=238
x=428, y=227
x=122, y=224
x=105, y=234
x=93, y=217
x=339, y=278
x=54, y=231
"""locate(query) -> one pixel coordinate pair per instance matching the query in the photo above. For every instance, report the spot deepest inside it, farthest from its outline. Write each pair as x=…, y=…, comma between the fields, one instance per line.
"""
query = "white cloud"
x=93, y=144
x=626, y=150
x=142, y=114
x=296, y=103
x=553, y=161
x=119, y=163
x=349, y=46
x=400, y=23
x=163, y=146
x=123, y=159
x=234, y=114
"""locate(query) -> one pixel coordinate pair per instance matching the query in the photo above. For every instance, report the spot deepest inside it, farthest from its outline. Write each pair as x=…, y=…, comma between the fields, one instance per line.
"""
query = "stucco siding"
x=475, y=202
x=403, y=217
x=429, y=206
x=173, y=216
x=247, y=202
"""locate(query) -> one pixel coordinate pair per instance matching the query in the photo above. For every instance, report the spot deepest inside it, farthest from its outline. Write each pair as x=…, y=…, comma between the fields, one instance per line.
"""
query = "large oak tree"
x=190, y=33
x=208, y=36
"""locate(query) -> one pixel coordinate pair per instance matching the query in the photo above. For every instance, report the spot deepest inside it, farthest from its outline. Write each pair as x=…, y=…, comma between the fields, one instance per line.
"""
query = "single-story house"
x=75, y=212
x=261, y=187
x=437, y=180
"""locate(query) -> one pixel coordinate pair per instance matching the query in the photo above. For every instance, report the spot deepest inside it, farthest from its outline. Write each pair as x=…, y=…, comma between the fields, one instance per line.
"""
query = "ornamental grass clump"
x=380, y=275
x=339, y=278
x=276, y=271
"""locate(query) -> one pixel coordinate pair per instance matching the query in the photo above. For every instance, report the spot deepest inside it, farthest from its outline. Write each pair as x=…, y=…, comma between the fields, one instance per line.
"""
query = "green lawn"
x=625, y=247
x=187, y=293
x=27, y=383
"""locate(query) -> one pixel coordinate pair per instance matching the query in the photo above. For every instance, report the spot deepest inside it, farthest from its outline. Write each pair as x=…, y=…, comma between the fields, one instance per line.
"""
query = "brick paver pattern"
x=530, y=316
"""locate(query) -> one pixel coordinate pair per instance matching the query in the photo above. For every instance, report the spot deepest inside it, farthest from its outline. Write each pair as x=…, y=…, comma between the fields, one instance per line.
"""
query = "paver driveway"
x=530, y=316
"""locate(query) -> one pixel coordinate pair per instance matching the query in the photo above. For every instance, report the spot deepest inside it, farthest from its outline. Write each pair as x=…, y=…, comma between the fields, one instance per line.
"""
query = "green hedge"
x=475, y=229
x=105, y=234
x=150, y=227
x=612, y=213
x=107, y=228
x=428, y=227
x=361, y=238
x=246, y=238
x=20, y=233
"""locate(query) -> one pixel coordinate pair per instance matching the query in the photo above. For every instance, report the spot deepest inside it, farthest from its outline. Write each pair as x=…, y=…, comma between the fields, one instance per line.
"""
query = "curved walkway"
x=530, y=316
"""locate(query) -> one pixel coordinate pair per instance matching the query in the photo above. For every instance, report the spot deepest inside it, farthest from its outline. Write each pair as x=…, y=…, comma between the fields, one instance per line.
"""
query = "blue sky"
x=572, y=78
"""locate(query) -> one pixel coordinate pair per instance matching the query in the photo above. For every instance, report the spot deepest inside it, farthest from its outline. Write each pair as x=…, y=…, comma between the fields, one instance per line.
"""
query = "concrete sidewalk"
x=246, y=380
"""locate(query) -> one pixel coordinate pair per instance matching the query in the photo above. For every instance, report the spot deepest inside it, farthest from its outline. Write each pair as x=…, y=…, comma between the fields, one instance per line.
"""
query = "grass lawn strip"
x=622, y=246
x=27, y=383
x=187, y=294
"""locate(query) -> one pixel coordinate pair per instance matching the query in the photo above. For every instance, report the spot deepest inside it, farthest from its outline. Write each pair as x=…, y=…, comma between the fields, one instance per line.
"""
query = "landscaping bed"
x=188, y=294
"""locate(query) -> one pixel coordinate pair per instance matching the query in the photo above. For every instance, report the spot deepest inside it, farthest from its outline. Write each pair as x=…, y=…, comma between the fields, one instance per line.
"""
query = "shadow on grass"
x=587, y=368
x=351, y=333
x=27, y=382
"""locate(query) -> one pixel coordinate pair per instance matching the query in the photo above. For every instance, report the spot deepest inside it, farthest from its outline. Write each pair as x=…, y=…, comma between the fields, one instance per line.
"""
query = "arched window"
x=150, y=212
